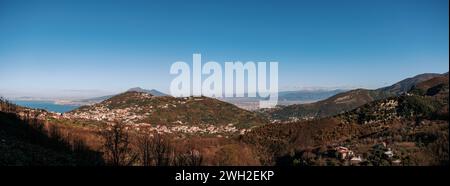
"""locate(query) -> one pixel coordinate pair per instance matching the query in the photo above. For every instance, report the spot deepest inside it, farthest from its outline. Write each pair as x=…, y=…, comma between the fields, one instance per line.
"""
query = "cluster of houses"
x=102, y=113
x=386, y=151
x=133, y=121
x=293, y=119
x=205, y=129
x=296, y=119
x=34, y=113
x=344, y=153
x=186, y=129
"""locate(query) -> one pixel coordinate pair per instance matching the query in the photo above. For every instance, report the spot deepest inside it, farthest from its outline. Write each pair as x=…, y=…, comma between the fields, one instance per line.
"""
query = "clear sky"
x=88, y=48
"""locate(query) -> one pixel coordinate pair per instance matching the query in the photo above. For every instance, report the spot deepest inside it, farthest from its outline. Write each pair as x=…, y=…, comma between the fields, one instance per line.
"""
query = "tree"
x=116, y=146
x=190, y=158
x=145, y=149
x=162, y=150
x=155, y=150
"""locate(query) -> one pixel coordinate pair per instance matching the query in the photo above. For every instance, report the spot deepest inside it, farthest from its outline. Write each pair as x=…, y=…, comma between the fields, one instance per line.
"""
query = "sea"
x=47, y=105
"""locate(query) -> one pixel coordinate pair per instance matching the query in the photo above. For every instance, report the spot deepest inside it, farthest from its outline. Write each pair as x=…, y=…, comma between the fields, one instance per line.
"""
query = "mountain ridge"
x=345, y=101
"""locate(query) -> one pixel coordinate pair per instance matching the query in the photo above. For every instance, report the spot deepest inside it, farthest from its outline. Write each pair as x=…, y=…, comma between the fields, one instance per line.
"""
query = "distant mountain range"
x=285, y=98
x=345, y=101
x=307, y=95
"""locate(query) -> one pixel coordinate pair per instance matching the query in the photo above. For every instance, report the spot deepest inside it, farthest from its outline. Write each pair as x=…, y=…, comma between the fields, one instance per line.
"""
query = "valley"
x=387, y=126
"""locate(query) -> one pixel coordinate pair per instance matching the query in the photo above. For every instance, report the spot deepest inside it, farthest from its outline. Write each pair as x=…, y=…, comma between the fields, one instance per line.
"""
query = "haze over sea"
x=47, y=105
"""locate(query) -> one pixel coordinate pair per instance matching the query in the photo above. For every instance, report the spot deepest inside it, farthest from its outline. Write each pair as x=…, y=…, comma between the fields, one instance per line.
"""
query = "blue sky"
x=88, y=48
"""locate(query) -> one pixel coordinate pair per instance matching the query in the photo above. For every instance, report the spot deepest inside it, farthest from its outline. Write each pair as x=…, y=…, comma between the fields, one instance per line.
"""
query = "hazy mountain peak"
x=136, y=89
x=153, y=92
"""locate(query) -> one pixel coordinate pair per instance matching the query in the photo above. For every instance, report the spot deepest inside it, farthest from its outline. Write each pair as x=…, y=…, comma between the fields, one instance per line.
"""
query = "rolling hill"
x=410, y=129
x=189, y=114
